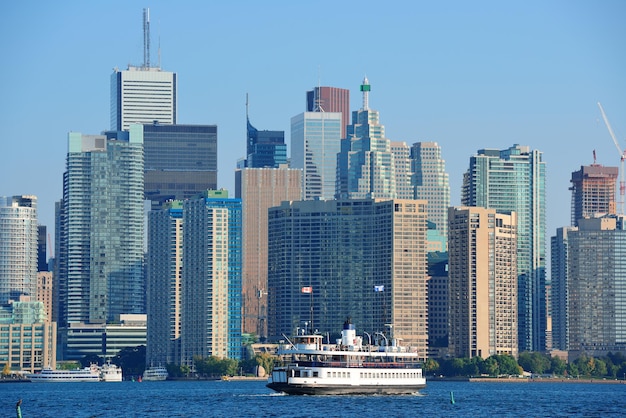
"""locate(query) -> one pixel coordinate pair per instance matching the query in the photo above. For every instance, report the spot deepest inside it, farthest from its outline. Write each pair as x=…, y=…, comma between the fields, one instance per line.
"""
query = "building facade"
x=100, y=223
x=265, y=148
x=593, y=192
x=364, y=259
x=163, y=284
x=18, y=247
x=559, y=287
x=180, y=161
x=211, y=285
x=330, y=99
x=514, y=180
x=595, y=287
x=315, y=142
x=260, y=189
x=482, y=281
x=142, y=95
x=431, y=183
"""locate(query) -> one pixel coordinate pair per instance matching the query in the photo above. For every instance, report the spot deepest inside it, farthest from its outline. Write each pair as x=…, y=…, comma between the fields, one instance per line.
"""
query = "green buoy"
x=452, y=397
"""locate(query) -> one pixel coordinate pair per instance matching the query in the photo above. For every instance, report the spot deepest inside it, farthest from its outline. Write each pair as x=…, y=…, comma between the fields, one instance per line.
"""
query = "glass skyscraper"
x=18, y=248
x=265, y=148
x=315, y=142
x=100, y=220
x=514, y=180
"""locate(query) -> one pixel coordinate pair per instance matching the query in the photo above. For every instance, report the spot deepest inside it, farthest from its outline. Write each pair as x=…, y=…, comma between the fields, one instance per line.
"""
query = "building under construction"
x=593, y=191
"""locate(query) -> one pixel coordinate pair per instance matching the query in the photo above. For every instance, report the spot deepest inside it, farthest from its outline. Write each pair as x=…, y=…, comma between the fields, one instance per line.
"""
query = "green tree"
x=431, y=366
x=90, y=359
x=492, y=368
x=132, y=360
x=600, y=368
x=6, y=371
x=558, y=366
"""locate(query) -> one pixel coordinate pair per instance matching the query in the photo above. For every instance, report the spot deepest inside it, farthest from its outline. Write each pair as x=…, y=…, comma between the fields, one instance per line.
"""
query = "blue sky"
x=469, y=75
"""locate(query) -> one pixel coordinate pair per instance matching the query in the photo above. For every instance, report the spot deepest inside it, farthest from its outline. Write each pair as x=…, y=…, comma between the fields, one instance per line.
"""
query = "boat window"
x=315, y=374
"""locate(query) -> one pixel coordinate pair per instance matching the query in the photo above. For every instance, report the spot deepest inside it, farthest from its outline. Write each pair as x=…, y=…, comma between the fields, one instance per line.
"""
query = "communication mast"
x=622, y=185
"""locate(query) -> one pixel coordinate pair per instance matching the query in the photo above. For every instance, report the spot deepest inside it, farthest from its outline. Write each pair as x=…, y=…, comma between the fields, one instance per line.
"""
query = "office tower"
x=260, y=189
x=211, y=302
x=330, y=99
x=180, y=161
x=315, y=142
x=432, y=183
x=142, y=95
x=163, y=284
x=482, y=281
x=18, y=247
x=593, y=191
x=100, y=220
x=559, y=282
x=42, y=256
x=437, y=303
x=596, y=287
x=365, y=165
x=45, y=286
x=403, y=167
x=514, y=180
x=264, y=148
x=362, y=258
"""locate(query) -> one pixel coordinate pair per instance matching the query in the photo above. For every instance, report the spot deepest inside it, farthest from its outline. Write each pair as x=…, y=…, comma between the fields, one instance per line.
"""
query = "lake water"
x=252, y=398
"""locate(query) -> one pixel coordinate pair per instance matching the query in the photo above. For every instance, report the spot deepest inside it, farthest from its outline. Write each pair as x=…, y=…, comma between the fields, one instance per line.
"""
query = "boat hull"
x=315, y=389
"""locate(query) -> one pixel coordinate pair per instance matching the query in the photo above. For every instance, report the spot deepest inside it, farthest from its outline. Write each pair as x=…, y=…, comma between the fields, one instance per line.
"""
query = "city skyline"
x=467, y=77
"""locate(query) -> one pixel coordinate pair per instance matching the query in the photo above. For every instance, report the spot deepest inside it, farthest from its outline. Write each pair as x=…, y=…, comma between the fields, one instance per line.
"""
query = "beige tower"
x=482, y=247
x=260, y=189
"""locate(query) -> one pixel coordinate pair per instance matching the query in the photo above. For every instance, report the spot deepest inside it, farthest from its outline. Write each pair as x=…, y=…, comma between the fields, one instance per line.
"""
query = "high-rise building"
x=100, y=226
x=142, y=95
x=366, y=167
x=437, y=303
x=559, y=286
x=593, y=191
x=514, y=180
x=596, y=287
x=330, y=99
x=211, y=285
x=180, y=161
x=315, y=142
x=42, y=252
x=265, y=148
x=482, y=281
x=163, y=284
x=361, y=258
x=432, y=183
x=18, y=247
x=260, y=189
x=403, y=168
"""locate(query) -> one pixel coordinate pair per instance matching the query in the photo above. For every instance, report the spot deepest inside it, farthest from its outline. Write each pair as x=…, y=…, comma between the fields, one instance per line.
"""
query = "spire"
x=365, y=88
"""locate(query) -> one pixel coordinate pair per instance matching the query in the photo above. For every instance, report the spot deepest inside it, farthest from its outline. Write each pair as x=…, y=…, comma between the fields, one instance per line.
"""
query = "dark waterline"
x=252, y=398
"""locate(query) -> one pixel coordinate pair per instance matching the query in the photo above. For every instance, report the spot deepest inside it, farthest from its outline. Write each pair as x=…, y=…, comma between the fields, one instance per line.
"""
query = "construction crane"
x=622, y=185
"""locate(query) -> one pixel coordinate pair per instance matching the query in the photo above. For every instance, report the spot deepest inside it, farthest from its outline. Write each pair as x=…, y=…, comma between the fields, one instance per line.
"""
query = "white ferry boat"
x=155, y=373
x=88, y=374
x=110, y=373
x=348, y=367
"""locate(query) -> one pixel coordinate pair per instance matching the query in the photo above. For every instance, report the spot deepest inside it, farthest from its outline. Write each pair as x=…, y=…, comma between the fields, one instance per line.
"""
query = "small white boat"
x=345, y=368
x=155, y=373
x=88, y=374
x=110, y=373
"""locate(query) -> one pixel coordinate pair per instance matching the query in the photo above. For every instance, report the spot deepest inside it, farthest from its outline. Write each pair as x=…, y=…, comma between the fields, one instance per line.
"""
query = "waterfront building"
x=45, y=291
x=104, y=340
x=180, y=161
x=508, y=180
x=27, y=338
x=432, y=183
x=163, y=284
x=595, y=288
x=100, y=223
x=260, y=189
x=315, y=142
x=366, y=167
x=142, y=94
x=559, y=266
x=18, y=247
x=211, y=285
x=593, y=192
x=437, y=304
x=265, y=148
x=361, y=258
x=330, y=99
x=482, y=281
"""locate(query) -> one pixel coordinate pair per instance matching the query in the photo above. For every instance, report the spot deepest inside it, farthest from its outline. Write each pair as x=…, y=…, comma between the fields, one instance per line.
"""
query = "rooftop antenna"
x=247, y=107
x=146, y=38
x=365, y=88
x=318, y=99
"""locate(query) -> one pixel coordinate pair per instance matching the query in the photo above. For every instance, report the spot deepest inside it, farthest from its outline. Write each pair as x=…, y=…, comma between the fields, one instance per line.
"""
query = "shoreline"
x=525, y=380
